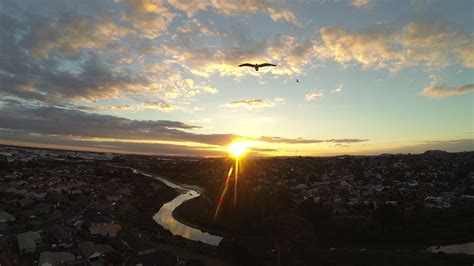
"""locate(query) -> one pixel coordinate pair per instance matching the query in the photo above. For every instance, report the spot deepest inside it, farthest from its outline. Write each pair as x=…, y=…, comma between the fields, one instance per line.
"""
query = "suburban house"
x=138, y=245
x=94, y=253
x=48, y=258
x=93, y=217
x=5, y=217
x=62, y=236
x=28, y=242
x=107, y=230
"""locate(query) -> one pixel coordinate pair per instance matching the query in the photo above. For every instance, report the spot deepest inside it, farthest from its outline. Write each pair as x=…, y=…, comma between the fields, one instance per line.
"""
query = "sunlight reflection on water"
x=165, y=218
x=467, y=248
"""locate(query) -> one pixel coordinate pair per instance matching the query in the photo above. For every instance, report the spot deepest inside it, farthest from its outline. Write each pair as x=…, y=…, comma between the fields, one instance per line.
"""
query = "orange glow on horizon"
x=238, y=149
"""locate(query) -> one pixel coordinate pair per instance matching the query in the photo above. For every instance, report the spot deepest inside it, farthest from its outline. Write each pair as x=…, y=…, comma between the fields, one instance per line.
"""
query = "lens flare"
x=224, y=192
x=238, y=149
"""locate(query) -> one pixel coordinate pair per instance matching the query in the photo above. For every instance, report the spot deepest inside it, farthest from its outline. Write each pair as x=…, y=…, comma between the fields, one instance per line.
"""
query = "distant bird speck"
x=256, y=66
x=297, y=81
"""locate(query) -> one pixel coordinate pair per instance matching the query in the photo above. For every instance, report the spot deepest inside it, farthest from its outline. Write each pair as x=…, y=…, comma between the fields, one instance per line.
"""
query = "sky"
x=162, y=77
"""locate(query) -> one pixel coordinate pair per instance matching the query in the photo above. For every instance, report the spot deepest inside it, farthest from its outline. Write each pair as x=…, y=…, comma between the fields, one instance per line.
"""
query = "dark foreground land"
x=346, y=210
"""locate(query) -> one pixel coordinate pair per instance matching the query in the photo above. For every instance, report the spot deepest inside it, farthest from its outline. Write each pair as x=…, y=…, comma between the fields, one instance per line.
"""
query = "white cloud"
x=70, y=34
x=235, y=7
x=433, y=91
x=150, y=18
x=338, y=88
x=150, y=105
x=254, y=103
x=428, y=43
x=291, y=55
x=312, y=96
x=360, y=3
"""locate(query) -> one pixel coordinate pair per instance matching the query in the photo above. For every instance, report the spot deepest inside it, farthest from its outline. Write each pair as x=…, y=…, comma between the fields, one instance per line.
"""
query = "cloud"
x=74, y=59
x=292, y=54
x=51, y=141
x=338, y=88
x=467, y=55
x=428, y=43
x=456, y=145
x=159, y=105
x=70, y=33
x=254, y=103
x=162, y=78
x=383, y=46
x=235, y=7
x=150, y=18
x=369, y=47
x=312, y=96
x=347, y=141
x=360, y=3
x=441, y=92
x=71, y=124
x=307, y=141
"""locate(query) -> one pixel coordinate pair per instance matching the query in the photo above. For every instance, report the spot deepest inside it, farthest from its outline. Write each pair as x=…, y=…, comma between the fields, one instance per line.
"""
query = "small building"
x=436, y=202
x=24, y=202
x=43, y=208
x=28, y=242
x=93, y=217
x=5, y=217
x=107, y=230
x=37, y=196
x=467, y=199
x=48, y=258
x=156, y=258
x=94, y=253
x=62, y=236
x=138, y=245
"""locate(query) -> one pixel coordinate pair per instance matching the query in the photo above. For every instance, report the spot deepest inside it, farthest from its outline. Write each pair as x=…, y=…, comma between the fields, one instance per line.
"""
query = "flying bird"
x=297, y=81
x=256, y=66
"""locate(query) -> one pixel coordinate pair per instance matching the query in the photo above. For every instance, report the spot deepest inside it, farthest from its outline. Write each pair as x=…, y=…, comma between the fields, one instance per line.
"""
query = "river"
x=466, y=248
x=165, y=218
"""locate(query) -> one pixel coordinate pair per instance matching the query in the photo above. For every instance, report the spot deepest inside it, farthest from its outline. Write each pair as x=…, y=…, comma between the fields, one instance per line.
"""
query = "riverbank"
x=182, y=218
x=135, y=214
x=136, y=217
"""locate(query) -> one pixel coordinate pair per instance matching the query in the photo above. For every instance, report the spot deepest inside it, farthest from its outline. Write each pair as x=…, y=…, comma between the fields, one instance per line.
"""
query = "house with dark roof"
x=61, y=235
x=28, y=242
x=48, y=258
x=93, y=217
x=138, y=245
x=107, y=230
x=94, y=253
x=6, y=217
x=161, y=258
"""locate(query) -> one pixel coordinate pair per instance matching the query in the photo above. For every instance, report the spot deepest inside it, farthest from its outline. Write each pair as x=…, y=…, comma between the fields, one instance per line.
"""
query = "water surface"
x=466, y=248
x=165, y=218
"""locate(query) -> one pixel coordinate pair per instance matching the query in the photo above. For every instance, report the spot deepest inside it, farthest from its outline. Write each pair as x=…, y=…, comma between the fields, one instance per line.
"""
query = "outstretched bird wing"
x=266, y=64
x=247, y=64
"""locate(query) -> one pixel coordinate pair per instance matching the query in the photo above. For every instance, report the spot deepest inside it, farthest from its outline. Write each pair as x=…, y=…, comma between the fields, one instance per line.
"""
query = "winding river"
x=466, y=248
x=165, y=218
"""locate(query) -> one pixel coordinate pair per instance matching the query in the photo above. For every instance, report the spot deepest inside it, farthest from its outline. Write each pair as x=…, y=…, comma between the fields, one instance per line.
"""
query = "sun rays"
x=237, y=150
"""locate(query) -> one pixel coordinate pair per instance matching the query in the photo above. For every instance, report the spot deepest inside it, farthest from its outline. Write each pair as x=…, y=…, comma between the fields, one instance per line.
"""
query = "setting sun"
x=237, y=149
